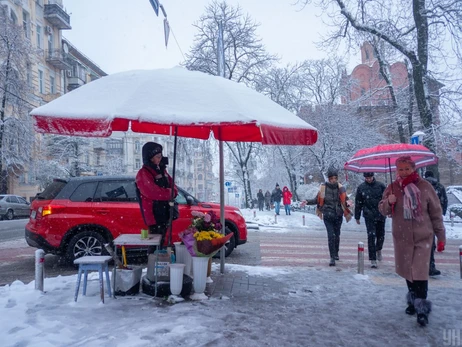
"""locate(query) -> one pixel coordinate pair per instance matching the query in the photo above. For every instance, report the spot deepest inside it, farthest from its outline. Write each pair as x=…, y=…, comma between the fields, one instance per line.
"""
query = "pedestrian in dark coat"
x=261, y=199
x=331, y=208
x=268, y=200
x=441, y=192
x=286, y=199
x=155, y=189
x=368, y=196
x=276, y=197
x=416, y=217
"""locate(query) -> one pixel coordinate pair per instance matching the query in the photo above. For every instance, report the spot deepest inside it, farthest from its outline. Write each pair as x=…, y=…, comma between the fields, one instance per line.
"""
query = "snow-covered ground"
x=314, y=307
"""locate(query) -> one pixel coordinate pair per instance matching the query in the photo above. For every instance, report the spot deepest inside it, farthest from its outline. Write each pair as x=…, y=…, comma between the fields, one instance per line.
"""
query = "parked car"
x=12, y=206
x=77, y=216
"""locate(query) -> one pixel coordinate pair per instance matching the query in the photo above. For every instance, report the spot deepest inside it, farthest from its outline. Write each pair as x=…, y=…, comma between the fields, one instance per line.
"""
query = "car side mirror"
x=190, y=200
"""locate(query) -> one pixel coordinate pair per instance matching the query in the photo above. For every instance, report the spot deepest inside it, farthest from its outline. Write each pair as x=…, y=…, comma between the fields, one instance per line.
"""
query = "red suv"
x=77, y=216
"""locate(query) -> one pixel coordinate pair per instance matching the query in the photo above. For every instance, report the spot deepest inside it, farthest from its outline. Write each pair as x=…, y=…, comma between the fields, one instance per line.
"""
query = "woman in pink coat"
x=416, y=216
x=286, y=199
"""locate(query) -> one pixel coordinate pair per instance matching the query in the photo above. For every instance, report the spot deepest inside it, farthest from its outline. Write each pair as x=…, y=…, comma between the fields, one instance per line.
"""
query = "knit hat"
x=429, y=174
x=332, y=172
x=368, y=174
x=149, y=150
x=277, y=184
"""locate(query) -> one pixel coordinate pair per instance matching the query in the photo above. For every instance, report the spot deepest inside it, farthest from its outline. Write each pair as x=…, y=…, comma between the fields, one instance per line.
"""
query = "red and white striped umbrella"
x=382, y=158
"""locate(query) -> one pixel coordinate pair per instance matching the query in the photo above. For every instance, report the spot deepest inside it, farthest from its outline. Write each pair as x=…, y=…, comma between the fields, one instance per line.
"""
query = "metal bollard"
x=451, y=217
x=254, y=214
x=39, y=269
x=361, y=258
x=275, y=219
x=303, y=217
x=460, y=259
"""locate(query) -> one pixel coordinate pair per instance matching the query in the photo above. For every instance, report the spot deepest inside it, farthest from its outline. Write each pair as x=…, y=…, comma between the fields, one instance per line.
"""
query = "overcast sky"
x=120, y=35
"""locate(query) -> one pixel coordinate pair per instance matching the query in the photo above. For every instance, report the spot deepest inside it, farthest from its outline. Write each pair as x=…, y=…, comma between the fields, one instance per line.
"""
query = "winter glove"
x=440, y=246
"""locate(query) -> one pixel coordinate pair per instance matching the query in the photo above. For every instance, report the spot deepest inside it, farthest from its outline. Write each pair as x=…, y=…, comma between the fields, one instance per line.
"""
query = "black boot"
x=433, y=271
x=423, y=308
x=410, y=310
x=332, y=262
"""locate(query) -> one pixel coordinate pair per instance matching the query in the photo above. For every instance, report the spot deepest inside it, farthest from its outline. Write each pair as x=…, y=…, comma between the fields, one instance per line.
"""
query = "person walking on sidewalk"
x=331, y=204
x=286, y=199
x=276, y=197
x=416, y=217
x=441, y=192
x=268, y=200
x=368, y=196
x=261, y=200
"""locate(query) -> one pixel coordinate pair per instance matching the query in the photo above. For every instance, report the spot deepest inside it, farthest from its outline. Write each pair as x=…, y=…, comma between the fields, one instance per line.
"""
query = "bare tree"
x=16, y=131
x=245, y=59
x=69, y=151
x=416, y=29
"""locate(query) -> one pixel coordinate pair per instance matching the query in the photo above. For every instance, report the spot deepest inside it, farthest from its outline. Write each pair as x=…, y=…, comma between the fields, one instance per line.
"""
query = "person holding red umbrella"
x=416, y=216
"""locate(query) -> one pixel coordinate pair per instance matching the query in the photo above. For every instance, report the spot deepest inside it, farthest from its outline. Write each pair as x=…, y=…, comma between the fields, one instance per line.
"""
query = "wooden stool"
x=99, y=263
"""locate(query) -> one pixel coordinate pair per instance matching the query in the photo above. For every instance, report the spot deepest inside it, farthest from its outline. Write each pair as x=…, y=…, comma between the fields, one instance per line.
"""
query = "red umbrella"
x=174, y=102
x=382, y=158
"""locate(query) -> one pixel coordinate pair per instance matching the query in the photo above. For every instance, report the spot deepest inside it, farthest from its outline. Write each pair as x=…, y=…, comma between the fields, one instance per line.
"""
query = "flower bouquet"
x=202, y=238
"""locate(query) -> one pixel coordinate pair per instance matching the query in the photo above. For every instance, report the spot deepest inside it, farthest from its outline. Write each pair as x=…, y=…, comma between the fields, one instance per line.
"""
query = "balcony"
x=57, y=16
x=57, y=58
x=74, y=82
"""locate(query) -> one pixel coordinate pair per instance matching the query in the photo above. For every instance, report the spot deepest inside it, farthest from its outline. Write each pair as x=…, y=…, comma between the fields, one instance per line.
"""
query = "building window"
x=40, y=75
x=50, y=42
x=22, y=178
x=98, y=159
x=137, y=164
x=25, y=23
x=29, y=74
x=14, y=19
x=39, y=36
x=137, y=146
x=52, y=85
x=199, y=177
x=87, y=158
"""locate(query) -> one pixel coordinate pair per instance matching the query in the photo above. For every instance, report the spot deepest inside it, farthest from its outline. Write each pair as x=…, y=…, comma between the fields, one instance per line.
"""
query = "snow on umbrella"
x=173, y=102
x=156, y=101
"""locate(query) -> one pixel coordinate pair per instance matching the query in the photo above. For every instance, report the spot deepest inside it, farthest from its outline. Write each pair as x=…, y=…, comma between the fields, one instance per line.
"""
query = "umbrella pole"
x=172, y=196
x=391, y=178
x=222, y=205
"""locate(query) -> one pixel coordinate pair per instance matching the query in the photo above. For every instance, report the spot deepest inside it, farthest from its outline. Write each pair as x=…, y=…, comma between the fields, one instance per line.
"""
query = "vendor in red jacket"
x=154, y=184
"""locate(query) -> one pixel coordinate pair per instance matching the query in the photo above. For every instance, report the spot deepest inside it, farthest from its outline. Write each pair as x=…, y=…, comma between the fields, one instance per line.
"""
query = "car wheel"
x=85, y=243
x=9, y=215
x=229, y=246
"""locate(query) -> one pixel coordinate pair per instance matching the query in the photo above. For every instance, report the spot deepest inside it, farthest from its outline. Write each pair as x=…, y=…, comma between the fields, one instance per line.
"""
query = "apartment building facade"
x=57, y=68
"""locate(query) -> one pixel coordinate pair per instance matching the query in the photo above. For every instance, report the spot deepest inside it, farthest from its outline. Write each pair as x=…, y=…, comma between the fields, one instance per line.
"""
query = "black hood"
x=150, y=149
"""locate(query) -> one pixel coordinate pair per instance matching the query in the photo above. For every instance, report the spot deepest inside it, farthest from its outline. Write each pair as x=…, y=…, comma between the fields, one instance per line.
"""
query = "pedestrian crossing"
x=310, y=249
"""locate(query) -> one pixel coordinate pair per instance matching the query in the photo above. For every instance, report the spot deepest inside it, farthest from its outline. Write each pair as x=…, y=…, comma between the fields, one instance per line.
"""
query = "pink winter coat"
x=286, y=196
x=412, y=239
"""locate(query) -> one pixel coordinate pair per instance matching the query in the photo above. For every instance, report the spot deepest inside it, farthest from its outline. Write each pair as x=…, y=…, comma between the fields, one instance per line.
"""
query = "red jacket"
x=286, y=196
x=151, y=192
